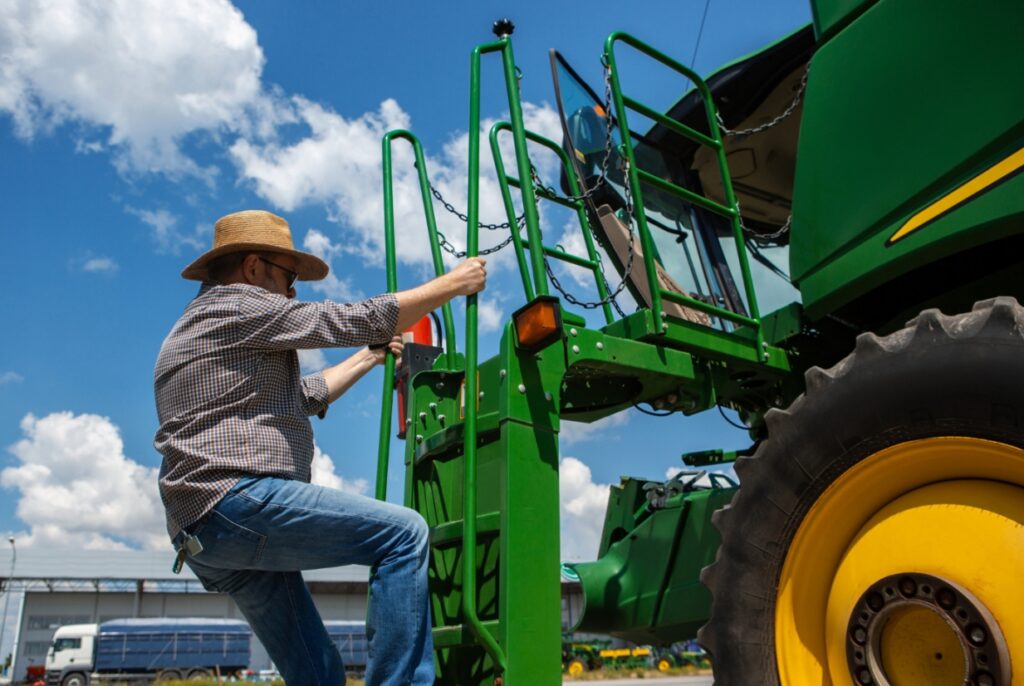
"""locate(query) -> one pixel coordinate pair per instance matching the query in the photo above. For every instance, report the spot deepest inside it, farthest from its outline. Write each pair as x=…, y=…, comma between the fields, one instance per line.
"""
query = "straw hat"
x=257, y=231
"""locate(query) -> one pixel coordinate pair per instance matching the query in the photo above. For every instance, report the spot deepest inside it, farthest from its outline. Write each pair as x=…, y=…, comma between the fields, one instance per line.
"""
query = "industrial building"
x=58, y=587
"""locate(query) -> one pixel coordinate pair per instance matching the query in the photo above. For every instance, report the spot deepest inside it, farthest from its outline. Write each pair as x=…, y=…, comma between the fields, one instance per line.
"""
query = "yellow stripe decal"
x=982, y=182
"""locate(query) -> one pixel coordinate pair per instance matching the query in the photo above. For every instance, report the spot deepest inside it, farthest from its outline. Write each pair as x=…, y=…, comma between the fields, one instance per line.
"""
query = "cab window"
x=66, y=644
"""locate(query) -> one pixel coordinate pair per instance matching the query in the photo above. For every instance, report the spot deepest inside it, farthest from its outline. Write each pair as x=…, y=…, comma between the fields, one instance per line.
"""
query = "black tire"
x=942, y=375
x=200, y=673
x=75, y=679
x=168, y=675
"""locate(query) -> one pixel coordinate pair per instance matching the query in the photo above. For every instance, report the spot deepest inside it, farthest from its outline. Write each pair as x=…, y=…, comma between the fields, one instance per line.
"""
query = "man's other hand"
x=394, y=346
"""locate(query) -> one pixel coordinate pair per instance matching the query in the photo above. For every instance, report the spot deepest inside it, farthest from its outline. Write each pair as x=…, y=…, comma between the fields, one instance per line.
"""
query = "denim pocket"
x=227, y=544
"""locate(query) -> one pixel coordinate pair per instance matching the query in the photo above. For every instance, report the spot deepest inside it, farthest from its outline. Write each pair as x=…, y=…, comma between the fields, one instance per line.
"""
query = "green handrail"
x=714, y=141
x=469, y=585
x=384, y=447
x=504, y=181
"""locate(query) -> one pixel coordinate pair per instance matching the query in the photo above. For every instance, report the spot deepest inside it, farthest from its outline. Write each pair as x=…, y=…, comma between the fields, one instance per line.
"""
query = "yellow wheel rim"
x=575, y=668
x=664, y=665
x=949, y=507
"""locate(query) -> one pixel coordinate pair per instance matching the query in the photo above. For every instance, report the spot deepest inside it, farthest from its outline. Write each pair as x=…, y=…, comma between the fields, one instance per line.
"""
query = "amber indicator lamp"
x=538, y=324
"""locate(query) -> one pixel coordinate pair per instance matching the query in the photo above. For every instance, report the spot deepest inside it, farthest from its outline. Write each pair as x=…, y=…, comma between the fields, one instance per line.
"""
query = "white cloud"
x=583, y=505
x=577, y=432
x=166, y=234
x=134, y=76
x=76, y=488
x=337, y=164
x=312, y=360
x=324, y=475
x=338, y=289
x=10, y=377
x=489, y=316
x=100, y=264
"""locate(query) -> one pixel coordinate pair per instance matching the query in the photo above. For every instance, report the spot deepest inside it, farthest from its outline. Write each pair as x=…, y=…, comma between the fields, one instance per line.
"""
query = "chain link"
x=465, y=218
x=757, y=234
x=450, y=248
x=758, y=129
x=612, y=295
x=767, y=125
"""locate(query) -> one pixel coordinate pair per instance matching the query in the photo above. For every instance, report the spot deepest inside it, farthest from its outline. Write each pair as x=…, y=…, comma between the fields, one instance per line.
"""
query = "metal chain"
x=767, y=125
x=757, y=234
x=758, y=129
x=449, y=248
x=611, y=297
x=465, y=218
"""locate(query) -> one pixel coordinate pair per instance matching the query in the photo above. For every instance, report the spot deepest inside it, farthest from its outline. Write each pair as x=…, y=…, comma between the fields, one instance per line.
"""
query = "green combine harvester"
x=826, y=236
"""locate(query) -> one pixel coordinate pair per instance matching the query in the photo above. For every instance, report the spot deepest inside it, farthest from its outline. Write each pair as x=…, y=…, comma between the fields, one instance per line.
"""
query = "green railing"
x=638, y=177
x=535, y=244
x=384, y=447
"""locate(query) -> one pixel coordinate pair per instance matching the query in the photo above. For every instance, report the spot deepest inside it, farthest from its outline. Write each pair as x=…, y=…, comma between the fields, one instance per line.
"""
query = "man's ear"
x=250, y=269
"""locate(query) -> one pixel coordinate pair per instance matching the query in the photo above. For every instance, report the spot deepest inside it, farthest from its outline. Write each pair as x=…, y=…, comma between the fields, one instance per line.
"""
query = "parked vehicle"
x=578, y=658
x=147, y=649
x=350, y=639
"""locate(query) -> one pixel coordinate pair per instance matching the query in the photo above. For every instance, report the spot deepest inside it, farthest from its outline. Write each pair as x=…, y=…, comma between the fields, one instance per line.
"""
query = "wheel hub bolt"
x=908, y=587
x=875, y=601
x=984, y=679
x=946, y=598
x=864, y=676
x=859, y=635
x=976, y=635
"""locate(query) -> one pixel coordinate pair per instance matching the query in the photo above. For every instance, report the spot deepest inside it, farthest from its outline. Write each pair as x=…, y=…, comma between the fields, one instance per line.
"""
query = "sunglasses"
x=292, y=276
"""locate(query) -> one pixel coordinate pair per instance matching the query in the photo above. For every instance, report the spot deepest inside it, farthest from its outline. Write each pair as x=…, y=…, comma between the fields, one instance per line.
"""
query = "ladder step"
x=448, y=442
x=444, y=535
x=460, y=634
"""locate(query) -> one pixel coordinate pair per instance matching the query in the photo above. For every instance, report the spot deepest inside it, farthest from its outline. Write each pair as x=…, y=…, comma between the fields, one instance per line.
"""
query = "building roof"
x=127, y=565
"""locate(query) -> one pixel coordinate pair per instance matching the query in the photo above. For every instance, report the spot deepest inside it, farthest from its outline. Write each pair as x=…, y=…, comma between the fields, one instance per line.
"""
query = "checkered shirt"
x=229, y=396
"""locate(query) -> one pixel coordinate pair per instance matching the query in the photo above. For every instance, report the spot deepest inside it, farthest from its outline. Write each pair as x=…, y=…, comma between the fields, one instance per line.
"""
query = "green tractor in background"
x=834, y=230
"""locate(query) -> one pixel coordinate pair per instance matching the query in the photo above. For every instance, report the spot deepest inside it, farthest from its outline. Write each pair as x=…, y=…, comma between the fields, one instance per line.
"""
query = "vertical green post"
x=384, y=446
x=510, y=211
x=469, y=563
x=515, y=110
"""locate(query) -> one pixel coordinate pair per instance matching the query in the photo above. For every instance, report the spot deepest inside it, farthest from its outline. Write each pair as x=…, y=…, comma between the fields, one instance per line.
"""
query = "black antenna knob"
x=503, y=28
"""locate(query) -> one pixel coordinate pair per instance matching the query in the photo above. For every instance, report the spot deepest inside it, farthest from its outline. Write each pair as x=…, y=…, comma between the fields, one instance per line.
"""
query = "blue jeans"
x=265, y=530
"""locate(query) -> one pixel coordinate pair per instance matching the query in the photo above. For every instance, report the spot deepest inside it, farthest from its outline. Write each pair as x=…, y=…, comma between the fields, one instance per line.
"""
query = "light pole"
x=7, y=598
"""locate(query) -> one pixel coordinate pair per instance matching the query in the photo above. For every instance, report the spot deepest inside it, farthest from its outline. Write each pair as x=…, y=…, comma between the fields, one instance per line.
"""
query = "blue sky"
x=127, y=128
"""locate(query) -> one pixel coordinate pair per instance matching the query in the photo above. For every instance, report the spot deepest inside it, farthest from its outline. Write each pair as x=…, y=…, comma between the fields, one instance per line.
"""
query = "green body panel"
x=646, y=586
x=888, y=129
x=993, y=215
x=832, y=15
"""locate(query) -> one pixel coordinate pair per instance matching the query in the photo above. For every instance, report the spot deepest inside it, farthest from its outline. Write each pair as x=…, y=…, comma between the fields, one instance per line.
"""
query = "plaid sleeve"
x=273, y=322
x=315, y=394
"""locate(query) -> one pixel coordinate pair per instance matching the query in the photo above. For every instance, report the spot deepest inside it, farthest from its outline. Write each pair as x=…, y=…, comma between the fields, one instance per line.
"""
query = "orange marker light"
x=538, y=324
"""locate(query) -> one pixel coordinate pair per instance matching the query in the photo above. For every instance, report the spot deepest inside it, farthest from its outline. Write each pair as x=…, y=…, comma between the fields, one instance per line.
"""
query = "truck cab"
x=70, y=659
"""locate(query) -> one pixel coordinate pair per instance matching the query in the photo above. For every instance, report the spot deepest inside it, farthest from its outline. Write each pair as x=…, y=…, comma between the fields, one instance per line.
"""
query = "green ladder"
x=481, y=460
